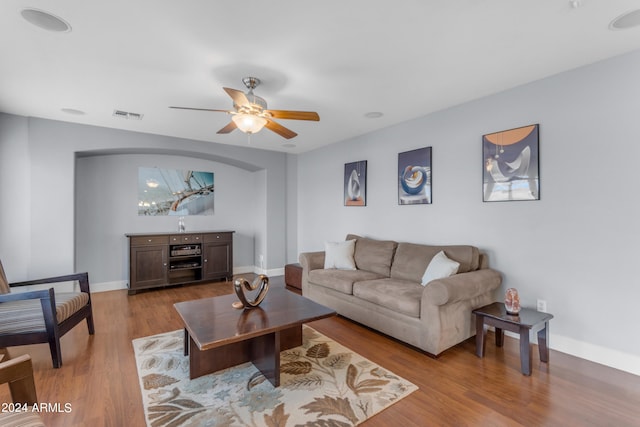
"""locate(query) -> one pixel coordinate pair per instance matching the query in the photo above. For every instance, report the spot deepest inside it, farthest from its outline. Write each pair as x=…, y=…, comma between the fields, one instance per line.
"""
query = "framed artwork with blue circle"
x=414, y=177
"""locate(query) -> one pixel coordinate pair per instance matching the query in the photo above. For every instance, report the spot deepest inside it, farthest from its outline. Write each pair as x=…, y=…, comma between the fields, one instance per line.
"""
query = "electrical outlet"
x=542, y=305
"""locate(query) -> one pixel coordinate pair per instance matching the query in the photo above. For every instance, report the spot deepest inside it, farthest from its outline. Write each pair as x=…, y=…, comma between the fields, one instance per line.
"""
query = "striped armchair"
x=43, y=316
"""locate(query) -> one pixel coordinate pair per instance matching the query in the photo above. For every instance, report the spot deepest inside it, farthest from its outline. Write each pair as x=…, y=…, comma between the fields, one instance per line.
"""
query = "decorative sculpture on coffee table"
x=261, y=283
x=512, y=301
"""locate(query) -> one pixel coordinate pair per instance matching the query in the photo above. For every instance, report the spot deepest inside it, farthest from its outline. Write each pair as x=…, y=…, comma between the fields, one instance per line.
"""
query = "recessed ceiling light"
x=73, y=111
x=373, y=115
x=45, y=20
x=627, y=20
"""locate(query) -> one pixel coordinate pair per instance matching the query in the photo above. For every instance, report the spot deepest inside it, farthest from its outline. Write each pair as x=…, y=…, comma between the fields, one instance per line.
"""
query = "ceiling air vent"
x=127, y=115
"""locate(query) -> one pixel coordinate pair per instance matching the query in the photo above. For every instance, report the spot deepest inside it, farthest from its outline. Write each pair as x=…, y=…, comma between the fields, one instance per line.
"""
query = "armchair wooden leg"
x=90, y=324
x=56, y=354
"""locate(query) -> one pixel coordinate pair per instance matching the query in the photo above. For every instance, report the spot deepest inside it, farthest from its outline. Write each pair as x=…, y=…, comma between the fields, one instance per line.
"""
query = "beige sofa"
x=386, y=294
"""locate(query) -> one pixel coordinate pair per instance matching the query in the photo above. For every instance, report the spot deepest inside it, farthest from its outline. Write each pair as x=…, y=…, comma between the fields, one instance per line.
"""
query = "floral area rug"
x=322, y=383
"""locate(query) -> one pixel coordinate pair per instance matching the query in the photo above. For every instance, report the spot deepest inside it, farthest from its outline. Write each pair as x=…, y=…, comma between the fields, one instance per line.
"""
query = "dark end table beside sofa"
x=496, y=315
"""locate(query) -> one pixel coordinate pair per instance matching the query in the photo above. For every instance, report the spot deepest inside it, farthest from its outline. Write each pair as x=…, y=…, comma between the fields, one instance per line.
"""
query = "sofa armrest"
x=460, y=287
x=311, y=260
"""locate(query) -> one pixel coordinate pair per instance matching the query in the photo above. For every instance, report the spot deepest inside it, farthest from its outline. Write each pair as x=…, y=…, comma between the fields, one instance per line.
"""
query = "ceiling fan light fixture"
x=250, y=113
x=249, y=123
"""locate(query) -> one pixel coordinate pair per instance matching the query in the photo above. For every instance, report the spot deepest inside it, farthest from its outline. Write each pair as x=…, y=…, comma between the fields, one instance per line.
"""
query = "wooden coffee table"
x=218, y=336
x=496, y=315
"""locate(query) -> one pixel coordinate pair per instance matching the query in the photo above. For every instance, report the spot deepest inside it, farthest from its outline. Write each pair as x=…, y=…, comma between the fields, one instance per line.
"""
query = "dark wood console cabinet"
x=162, y=259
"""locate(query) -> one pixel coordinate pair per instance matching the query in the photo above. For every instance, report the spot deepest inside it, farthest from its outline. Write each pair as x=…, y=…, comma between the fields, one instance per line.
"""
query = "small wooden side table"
x=496, y=315
x=293, y=275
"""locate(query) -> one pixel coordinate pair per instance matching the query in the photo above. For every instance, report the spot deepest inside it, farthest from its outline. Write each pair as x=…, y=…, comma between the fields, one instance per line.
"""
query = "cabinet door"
x=217, y=261
x=148, y=266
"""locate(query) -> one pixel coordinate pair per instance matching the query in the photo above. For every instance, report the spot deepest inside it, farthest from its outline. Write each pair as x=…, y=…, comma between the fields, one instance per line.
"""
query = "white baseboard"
x=244, y=269
x=109, y=286
x=123, y=284
x=275, y=272
x=257, y=270
x=594, y=353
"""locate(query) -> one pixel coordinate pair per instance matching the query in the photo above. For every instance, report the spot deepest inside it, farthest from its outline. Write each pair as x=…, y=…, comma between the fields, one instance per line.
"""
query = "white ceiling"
x=341, y=58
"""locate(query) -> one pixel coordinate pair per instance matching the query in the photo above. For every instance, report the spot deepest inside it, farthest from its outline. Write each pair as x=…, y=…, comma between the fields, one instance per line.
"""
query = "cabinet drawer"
x=185, y=238
x=217, y=237
x=149, y=240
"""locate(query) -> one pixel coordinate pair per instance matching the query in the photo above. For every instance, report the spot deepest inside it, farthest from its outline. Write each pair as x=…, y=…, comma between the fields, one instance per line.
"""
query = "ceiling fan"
x=250, y=113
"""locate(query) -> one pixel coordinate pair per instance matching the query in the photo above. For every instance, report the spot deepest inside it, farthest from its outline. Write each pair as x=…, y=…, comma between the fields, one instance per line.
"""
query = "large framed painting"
x=355, y=183
x=511, y=165
x=414, y=177
x=174, y=192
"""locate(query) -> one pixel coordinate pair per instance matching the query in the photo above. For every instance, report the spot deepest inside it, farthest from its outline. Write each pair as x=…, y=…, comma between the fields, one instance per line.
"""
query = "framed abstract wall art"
x=511, y=165
x=414, y=177
x=174, y=192
x=355, y=183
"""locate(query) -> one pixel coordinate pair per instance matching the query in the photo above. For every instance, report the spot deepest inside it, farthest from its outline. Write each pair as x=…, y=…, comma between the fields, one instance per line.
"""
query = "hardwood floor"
x=98, y=377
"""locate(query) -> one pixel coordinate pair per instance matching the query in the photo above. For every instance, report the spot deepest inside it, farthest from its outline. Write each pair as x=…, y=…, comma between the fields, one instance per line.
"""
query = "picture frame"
x=414, y=177
x=511, y=166
x=163, y=192
x=355, y=183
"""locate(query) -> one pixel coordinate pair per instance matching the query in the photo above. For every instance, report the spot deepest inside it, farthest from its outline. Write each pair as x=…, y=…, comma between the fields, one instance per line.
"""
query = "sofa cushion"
x=402, y=296
x=440, y=267
x=340, y=280
x=339, y=255
x=374, y=255
x=411, y=260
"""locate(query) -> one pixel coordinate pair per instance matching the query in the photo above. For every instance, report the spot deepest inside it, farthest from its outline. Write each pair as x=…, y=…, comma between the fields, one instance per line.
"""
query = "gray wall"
x=576, y=248
x=106, y=209
x=38, y=164
x=292, y=208
x=15, y=192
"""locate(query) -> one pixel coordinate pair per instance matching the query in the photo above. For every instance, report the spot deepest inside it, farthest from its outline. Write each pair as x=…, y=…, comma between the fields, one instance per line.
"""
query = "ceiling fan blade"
x=238, y=96
x=200, y=109
x=280, y=130
x=294, y=115
x=228, y=128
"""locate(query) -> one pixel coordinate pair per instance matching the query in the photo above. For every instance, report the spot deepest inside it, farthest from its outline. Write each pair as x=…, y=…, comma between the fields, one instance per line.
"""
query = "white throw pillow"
x=439, y=267
x=340, y=255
